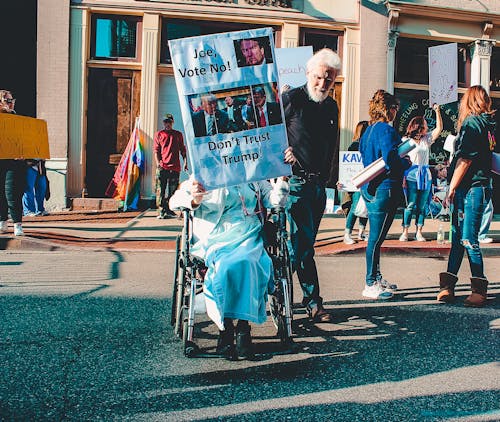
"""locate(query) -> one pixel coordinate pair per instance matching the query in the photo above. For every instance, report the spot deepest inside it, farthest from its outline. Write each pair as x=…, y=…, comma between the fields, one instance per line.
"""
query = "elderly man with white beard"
x=312, y=127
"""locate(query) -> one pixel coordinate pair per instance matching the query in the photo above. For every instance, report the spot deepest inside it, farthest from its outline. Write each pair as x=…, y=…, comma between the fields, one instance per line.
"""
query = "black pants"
x=169, y=180
x=12, y=182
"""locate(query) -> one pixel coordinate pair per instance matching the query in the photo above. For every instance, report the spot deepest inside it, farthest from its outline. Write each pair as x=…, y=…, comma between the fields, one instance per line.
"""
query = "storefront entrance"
x=113, y=104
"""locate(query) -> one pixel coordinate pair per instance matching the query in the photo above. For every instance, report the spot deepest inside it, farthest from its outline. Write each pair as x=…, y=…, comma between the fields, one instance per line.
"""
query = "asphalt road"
x=85, y=335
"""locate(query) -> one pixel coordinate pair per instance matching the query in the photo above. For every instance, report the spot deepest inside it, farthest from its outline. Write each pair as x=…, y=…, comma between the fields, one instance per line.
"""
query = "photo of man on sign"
x=253, y=51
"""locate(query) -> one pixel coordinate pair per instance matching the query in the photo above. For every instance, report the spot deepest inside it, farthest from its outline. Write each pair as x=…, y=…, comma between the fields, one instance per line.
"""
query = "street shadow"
x=91, y=358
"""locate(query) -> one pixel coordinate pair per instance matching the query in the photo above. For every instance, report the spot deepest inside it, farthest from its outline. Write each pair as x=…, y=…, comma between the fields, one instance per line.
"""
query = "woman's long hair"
x=380, y=106
x=415, y=128
x=360, y=129
x=474, y=102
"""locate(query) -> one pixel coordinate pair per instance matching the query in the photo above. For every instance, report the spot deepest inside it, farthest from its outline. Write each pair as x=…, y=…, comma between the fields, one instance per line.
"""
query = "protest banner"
x=350, y=165
x=23, y=137
x=443, y=74
x=291, y=64
x=225, y=151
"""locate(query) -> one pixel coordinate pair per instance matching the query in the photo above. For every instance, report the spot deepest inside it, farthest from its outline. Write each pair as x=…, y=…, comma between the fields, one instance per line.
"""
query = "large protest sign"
x=350, y=165
x=23, y=137
x=443, y=74
x=245, y=142
x=291, y=64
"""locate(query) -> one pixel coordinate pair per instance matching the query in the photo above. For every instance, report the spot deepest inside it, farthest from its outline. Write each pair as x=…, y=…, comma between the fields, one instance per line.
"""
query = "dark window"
x=114, y=37
x=174, y=29
x=320, y=39
x=412, y=61
x=495, y=70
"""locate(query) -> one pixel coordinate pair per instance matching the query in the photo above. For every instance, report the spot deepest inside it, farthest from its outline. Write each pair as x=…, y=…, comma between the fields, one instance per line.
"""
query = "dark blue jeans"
x=307, y=200
x=12, y=181
x=382, y=208
x=417, y=201
x=351, y=217
x=467, y=213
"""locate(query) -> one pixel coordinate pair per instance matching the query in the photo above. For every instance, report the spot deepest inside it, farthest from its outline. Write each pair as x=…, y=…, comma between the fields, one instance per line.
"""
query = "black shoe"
x=244, y=345
x=225, y=342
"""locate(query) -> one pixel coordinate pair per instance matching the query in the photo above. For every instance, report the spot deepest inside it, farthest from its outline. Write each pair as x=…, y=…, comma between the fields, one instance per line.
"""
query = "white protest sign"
x=350, y=165
x=291, y=64
x=443, y=74
x=225, y=148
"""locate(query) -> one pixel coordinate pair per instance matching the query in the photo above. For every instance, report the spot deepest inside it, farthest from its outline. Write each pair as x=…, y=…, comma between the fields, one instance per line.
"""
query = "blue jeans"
x=381, y=211
x=34, y=192
x=467, y=213
x=416, y=204
x=486, y=220
x=306, y=204
x=351, y=217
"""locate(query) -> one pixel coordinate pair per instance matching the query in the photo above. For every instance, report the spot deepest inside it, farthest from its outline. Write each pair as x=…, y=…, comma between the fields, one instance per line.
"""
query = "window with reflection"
x=412, y=61
x=319, y=39
x=495, y=69
x=114, y=37
x=181, y=28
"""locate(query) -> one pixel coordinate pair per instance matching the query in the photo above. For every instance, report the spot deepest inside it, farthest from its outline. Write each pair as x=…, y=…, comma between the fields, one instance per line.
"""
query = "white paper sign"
x=291, y=64
x=350, y=165
x=449, y=144
x=223, y=148
x=443, y=74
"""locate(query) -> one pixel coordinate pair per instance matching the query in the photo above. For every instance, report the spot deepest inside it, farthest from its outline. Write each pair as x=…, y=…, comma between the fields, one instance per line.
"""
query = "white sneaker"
x=403, y=238
x=4, y=226
x=362, y=237
x=348, y=240
x=18, y=229
x=376, y=291
x=485, y=239
x=420, y=238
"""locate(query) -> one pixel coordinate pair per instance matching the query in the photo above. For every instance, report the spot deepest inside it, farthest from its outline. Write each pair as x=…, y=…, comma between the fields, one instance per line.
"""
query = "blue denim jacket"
x=381, y=140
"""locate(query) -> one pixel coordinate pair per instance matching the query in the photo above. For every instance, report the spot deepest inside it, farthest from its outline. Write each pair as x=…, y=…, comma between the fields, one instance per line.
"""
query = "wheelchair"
x=189, y=272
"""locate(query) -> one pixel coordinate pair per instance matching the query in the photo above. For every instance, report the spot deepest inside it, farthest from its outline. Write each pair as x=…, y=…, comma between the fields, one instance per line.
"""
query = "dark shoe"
x=477, y=298
x=244, y=345
x=170, y=214
x=225, y=342
x=447, y=283
x=319, y=314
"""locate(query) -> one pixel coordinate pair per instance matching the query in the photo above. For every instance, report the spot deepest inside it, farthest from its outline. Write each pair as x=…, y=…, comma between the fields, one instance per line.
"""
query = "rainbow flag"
x=125, y=184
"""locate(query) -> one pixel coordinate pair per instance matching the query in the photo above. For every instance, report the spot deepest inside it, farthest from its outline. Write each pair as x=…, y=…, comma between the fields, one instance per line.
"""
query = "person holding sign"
x=12, y=179
x=418, y=178
x=384, y=193
x=312, y=127
x=227, y=235
x=210, y=120
x=469, y=192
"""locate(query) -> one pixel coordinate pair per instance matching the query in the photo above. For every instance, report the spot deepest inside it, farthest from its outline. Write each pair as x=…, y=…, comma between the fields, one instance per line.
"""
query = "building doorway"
x=113, y=104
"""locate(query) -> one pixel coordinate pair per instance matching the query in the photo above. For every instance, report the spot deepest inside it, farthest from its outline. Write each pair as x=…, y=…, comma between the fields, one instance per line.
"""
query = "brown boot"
x=478, y=296
x=447, y=283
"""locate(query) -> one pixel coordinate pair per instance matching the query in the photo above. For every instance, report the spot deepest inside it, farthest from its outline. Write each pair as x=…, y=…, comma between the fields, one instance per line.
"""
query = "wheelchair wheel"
x=281, y=310
x=181, y=287
x=173, y=311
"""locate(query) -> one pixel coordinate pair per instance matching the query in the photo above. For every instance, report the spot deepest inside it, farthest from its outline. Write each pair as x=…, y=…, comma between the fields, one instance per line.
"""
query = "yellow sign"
x=23, y=137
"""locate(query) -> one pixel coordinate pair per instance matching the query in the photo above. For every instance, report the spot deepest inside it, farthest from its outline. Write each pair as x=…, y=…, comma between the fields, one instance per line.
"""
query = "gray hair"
x=325, y=57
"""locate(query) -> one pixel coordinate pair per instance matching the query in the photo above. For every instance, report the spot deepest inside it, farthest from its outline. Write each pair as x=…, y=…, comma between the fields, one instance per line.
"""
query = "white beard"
x=317, y=98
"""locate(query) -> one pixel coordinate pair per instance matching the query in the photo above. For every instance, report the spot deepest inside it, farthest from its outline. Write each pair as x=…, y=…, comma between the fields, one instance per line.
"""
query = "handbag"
x=361, y=210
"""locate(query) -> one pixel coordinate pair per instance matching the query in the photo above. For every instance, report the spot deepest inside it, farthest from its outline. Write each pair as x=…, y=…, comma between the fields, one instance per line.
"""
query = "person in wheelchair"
x=227, y=235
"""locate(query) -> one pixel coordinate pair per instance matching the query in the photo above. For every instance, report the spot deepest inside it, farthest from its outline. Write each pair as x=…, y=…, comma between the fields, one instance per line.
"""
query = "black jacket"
x=312, y=130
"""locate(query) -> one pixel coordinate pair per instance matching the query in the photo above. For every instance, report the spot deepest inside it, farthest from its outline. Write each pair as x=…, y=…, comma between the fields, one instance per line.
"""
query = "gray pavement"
x=84, y=335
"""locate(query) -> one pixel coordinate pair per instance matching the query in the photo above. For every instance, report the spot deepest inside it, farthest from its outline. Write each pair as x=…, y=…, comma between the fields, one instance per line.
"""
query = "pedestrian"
x=353, y=197
x=12, y=178
x=312, y=127
x=35, y=189
x=227, y=236
x=469, y=193
x=168, y=146
x=418, y=178
x=384, y=193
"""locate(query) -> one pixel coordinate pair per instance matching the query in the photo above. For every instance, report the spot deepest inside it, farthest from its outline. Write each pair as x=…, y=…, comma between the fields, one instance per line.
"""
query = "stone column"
x=149, y=95
x=392, y=40
x=290, y=35
x=350, y=97
x=481, y=62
